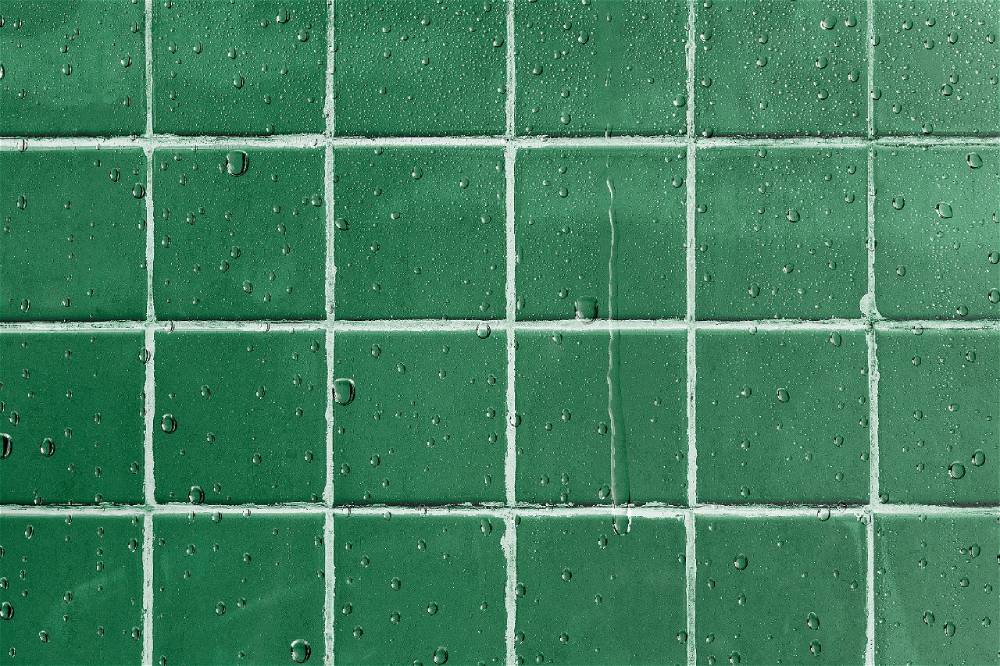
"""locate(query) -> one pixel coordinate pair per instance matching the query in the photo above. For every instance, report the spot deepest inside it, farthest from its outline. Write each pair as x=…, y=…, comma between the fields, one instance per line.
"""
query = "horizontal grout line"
x=417, y=325
x=168, y=141
x=643, y=511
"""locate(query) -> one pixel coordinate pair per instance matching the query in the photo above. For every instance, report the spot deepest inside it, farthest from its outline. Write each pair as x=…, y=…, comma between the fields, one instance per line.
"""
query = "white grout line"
x=168, y=141
x=509, y=541
x=147, y=589
x=690, y=585
x=329, y=169
x=872, y=314
x=329, y=578
x=690, y=553
x=149, y=346
x=870, y=37
x=870, y=590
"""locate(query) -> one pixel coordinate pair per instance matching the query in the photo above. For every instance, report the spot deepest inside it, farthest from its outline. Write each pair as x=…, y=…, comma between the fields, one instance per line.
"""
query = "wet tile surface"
x=427, y=589
x=72, y=589
x=238, y=588
x=68, y=70
x=71, y=406
x=594, y=224
x=782, y=417
x=243, y=69
x=606, y=578
x=590, y=433
x=499, y=332
x=610, y=67
x=938, y=398
x=419, y=417
x=240, y=417
x=936, y=589
x=64, y=214
x=419, y=233
x=781, y=590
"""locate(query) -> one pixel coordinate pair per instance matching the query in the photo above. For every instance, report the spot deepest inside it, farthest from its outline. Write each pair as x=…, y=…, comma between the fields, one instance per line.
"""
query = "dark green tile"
x=246, y=68
x=417, y=68
x=240, y=235
x=420, y=233
x=939, y=397
x=781, y=68
x=782, y=417
x=936, y=583
x=240, y=417
x=781, y=232
x=72, y=68
x=420, y=417
x=589, y=595
x=594, y=224
x=71, y=589
x=74, y=235
x=937, y=251
x=71, y=412
x=602, y=419
x=936, y=64
x=238, y=588
x=419, y=589
x=781, y=590
x=610, y=67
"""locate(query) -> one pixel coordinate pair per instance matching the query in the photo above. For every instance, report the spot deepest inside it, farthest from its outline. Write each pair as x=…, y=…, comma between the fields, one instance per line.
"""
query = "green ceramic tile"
x=243, y=68
x=420, y=233
x=781, y=68
x=594, y=224
x=936, y=583
x=419, y=589
x=602, y=419
x=417, y=68
x=939, y=397
x=609, y=67
x=73, y=235
x=781, y=232
x=589, y=595
x=781, y=590
x=71, y=589
x=782, y=417
x=71, y=412
x=238, y=588
x=240, y=235
x=936, y=65
x=240, y=417
x=937, y=250
x=419, y=417
x=72, y=68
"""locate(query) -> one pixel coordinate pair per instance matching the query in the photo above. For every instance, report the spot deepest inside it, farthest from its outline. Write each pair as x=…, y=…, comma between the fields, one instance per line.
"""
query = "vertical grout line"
x=872, y=315
x=329, y=579
x=149, y=353
x=329, y=165
x=870, y=20
x=692, y=370
x=510, y=288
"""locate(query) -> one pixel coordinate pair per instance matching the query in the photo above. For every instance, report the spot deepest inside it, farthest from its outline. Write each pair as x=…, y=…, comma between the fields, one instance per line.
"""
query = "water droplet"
x=440, y=656
x=237, y=163
x=741, y=562
x=168, y=423
x=343, y=391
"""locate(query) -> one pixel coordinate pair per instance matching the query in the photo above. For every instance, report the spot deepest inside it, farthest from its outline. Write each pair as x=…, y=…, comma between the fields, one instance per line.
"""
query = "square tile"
x=782, y=417
x=240, y=417
x=419, y=589
x=419, y=417
x=937, y=251
x=72, y=589
x=238, y=588
x=610, y=67
x=70, y=71
x=602, y=418
x=587, y=594
x=599, y=224
x=781, y=590
x=781, y=233
x=781, y=69
x=240, y=234
x=71, y=412
x=417, y=68
x=936, y=64
x=73, y=235
x=420, y=233
x=939, y=402
x=239, y=68
x=935, y=589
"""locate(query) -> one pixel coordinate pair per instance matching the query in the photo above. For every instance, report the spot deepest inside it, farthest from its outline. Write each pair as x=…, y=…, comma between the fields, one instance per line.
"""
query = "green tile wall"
x=499, y=332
